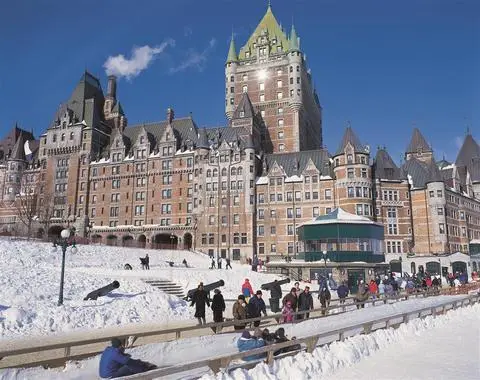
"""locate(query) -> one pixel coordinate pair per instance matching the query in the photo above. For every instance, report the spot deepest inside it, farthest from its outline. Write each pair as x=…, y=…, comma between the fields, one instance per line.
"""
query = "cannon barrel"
x=102, y=291
x=207, y=288
x=269, y=285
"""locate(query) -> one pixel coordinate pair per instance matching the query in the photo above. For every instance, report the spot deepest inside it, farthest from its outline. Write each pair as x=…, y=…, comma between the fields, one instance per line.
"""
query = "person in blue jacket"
x=256, y=306
x=114, y=362
x=342, y=292
x=247, y=342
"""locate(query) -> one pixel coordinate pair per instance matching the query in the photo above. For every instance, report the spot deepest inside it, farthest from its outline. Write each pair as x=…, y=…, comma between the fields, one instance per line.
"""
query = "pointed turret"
x=385, y=167
x=294, y=44
x=118, y=109
x=349, y=137
x=469, y=150
x=249, y=144
x=232, y=52
x=418, y=143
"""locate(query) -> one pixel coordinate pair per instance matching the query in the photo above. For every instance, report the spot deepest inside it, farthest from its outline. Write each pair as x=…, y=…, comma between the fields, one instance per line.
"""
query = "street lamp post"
x=324, y=253
x=64, y=242
x=172, y=239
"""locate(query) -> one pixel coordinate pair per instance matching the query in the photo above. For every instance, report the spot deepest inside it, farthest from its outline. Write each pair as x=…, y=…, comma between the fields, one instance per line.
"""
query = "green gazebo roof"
x=340, y=216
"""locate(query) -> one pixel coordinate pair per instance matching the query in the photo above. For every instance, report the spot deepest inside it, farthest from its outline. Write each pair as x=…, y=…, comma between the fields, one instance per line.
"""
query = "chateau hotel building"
x=237, y=190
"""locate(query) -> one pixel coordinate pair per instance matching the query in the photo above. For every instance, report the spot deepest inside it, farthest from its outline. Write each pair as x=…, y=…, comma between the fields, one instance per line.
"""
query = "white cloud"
x=195, y=59
x=140, y=59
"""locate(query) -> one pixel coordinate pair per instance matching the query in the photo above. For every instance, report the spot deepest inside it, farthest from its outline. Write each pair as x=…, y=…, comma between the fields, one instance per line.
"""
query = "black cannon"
x=268, y=286
x=102, y=291
x=275, y=293
x=207, y=288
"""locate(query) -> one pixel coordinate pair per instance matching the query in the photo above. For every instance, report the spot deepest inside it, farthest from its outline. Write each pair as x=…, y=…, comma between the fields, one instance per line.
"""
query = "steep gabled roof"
x=294, y=45
x=469, y=150
x=474, y=170
x=421, y=173
x=350, y=137
x=269, y=24
x=385, y=167
x=294, y=163
x=418, y=143
x=117, y=108
x=203, y=139
x=245, y=106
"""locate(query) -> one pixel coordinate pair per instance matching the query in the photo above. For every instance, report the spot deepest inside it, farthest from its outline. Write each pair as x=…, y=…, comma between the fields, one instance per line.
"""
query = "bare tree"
x=26, y=201
x=45, y=211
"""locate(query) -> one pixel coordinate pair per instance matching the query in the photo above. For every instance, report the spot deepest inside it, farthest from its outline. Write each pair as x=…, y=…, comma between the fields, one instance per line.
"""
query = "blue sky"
x=382, y=65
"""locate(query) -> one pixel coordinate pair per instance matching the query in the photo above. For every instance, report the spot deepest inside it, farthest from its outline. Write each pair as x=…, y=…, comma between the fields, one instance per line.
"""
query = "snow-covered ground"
x=324, y=361
x=30, y=276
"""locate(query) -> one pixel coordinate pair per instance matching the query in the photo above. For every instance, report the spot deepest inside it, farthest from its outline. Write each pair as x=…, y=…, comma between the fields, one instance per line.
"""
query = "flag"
x=28, y=152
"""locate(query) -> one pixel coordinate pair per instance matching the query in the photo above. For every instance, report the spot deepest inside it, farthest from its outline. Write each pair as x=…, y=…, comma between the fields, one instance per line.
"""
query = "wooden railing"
x=308, y=344
x=55, y=351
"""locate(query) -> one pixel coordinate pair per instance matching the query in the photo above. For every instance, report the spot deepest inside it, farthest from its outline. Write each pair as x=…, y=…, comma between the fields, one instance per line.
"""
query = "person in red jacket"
x=247, y=290
x=373, y=289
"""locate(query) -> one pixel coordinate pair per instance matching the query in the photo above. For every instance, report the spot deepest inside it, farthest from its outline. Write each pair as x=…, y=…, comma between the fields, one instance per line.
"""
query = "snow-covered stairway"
x=166, y=286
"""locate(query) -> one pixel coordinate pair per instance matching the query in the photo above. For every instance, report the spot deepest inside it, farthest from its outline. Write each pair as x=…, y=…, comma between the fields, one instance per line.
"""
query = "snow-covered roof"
x=339, y=215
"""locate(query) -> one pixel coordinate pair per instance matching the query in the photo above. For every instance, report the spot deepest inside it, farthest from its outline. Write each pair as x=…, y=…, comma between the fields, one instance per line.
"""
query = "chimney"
x=170, y=115
x=112, y=87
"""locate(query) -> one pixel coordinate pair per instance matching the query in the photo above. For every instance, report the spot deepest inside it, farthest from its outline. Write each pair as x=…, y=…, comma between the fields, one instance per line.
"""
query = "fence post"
x=178, y=334
x=270, y=357
x=67, y=351
x=341, y=336
x=216, y=364
x=311, y=344
x=405, y=318
x=367, y=328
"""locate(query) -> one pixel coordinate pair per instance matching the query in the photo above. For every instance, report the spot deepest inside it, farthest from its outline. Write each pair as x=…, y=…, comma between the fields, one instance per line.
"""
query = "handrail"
x=25, y=346
x=219, y=362
x=74, y=339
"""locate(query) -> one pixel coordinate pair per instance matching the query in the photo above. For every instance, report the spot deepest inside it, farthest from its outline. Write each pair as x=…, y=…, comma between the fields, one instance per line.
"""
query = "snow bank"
x=384, y=349
x=31, y=276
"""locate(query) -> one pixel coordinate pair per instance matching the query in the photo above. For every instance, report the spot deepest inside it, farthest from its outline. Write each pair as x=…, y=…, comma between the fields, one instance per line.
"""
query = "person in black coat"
x=147, y=262
x=256, y=306
x=218, y=307
x=199, y=299
x=305, y=302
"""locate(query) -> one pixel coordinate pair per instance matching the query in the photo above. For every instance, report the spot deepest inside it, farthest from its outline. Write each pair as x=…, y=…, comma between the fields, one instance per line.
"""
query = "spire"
x=294, y=45
x=232, y=52
x=244, y=108
x=351, y=138
x=418, y=143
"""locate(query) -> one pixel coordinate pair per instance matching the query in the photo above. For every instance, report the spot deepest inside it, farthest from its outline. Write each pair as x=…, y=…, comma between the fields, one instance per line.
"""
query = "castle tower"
x=272, y=69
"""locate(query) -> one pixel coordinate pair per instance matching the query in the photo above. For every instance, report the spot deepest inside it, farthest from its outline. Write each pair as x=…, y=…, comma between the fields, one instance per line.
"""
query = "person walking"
x=247, y=290
x=324, y=296
x=199, y=299
x=362, y=295
x=256, y=306
x=287, y=313
x=292, y=297
x=342, y=292
x=147, y=262
x=239, y=312
x=228, y=263
x=373, y=290
x=305, y=303
x=218, y=307
x=219, y=263
x=213, y=263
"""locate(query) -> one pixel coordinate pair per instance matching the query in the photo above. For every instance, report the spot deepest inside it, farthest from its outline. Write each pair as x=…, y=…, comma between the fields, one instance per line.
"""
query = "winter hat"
x=280, y=332
x=246, y=335
x=116, y=342
x=216, y=291
x=293, y=290
x=257, y=333
x=259, y=292
x=246, y=280
x=241, y=297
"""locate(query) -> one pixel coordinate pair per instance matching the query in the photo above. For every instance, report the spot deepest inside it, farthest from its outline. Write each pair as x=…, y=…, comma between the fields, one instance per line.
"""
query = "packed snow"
x=31, y=276
x=324, y=361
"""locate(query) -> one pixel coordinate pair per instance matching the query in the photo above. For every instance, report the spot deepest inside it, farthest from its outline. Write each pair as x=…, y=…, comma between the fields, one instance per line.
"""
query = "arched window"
x=233, y=171
x=413, y=268
x=54, y=138
x=224, y=172
x=63, y=137
x=72, y=135
x=240, y=171
x=209, y=173
x=215, y=172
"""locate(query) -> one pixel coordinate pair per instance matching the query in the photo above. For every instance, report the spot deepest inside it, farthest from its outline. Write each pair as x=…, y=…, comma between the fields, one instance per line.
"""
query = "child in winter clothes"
x=287, y=312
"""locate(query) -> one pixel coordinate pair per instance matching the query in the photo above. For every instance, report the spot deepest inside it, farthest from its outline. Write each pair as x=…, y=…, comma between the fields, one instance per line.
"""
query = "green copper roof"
x=232, y=52
x=294, y=46
x=269, y=24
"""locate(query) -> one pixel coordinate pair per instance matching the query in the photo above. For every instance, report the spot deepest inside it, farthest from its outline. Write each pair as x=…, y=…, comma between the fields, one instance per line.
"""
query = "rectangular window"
x=351, y=192
x=290, y=229
x=392, y=212
x=441, y=228
x=315, y=195
x=350, y=173
x=261, y=86
x=328, y=194
x=440, y=210
x=261, y=230
x=236, y=219
x=392, y=229
x=279, y=84
x=279, y=95
x=262, y=97
x=273, y=230
x=431, y=193
x=315, y=212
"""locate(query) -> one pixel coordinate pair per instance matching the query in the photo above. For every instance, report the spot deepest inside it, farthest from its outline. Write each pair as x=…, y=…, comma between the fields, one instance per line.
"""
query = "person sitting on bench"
x=114, y=362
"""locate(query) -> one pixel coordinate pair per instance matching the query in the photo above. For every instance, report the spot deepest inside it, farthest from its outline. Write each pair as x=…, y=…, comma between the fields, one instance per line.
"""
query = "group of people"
x=219, y=263
x=201, y=298
x=261, y=338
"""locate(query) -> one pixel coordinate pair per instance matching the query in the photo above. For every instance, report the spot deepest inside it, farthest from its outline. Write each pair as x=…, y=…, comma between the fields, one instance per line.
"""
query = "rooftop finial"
x=269, y=5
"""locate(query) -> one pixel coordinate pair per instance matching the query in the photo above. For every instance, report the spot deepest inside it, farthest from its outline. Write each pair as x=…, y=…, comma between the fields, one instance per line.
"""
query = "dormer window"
x=242, y=113
x=274, y=41
x=142, y=139
x=349, y=159
x=245, y=77
x=279, y=49
x=54, y=138
x=117, y=143
x=64, y=124
x=247, y=54
x=167, y=136
x=254, y=45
